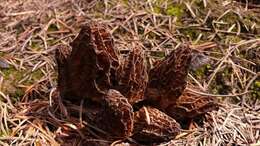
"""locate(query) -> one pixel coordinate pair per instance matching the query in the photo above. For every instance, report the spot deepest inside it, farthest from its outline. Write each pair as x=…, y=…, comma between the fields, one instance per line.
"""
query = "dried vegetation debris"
x=31, y=30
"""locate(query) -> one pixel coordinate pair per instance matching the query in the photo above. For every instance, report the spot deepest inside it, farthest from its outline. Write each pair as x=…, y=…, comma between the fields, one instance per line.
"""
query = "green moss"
x=208, y=66
x=226, y=74
x=257, y=84
x=231, y=17
x=53, y=27
x=151, y=35
x=256, y=94
x=51, y=42
x=159, y=2
x=6, y=133
x=201, y=72
x=233, y=39
x=216, y=88
x=191, y=33
x=17, y=94
x=11, y=78
x=157, y=9
x=159, y=54
x=37, y=75
x=248, y=22
x=100, y=6
x=35, y=46
x=214, y=91
x=178, y=23
x=125, y=2
x=12, y=74
x=199, y=3
x=175, y=10
x=256, y=90
x=7, y=71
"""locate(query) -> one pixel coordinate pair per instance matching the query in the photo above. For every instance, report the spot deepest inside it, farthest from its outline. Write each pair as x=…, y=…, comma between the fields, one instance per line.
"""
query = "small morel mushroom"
x=167, y=79
x=190, y=105
x=153, y=126
x=132, y=76
x=116, y=115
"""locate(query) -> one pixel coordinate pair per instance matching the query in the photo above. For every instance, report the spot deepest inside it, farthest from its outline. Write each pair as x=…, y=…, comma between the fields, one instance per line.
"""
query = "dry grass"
x=226, y=32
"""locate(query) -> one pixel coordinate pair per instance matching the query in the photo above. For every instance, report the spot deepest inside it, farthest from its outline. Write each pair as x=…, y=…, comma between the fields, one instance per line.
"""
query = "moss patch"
x=11, y=79
x=53, y=27
x=175, y=10
x=159, y=54
x=256, y=89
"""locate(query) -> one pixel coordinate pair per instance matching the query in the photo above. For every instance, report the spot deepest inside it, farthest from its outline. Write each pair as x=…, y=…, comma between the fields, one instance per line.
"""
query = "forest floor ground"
x=225, y=36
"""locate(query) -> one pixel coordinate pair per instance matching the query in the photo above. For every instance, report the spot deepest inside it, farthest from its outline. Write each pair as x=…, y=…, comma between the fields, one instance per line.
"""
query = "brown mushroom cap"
x=116, y=115
x=190, y=105
x=132, y=76
x=167, y=79
x=89, y=70
x=152, y=126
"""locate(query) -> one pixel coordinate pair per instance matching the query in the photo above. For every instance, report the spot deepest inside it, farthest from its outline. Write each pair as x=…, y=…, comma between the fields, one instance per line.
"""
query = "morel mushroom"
x=92, y=71
x=167, y=79
x=190, y=105
x=132, y=76
x=89, y=70
x=153, y=126
x=116, y=115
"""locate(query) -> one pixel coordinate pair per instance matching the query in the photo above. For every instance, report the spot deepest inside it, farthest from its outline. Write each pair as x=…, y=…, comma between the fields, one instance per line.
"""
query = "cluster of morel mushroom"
x=126, y=99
